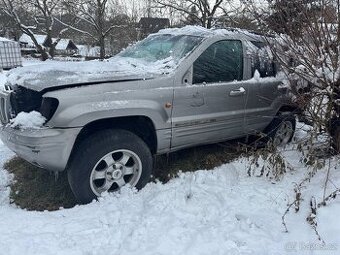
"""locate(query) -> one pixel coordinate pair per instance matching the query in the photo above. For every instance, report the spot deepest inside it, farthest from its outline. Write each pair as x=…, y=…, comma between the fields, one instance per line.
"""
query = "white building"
x=88, y=51
x=26, y=41
x=63, y=47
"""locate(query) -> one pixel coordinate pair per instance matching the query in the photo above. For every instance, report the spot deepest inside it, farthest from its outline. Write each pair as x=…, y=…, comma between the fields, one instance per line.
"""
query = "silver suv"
x=178, y=88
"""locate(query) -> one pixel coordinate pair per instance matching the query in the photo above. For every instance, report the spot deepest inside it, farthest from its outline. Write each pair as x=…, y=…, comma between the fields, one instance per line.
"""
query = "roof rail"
x=240, y=30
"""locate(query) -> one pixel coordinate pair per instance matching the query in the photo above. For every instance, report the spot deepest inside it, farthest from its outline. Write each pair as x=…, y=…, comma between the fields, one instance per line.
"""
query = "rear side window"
x=261, y=59
x=221, y=62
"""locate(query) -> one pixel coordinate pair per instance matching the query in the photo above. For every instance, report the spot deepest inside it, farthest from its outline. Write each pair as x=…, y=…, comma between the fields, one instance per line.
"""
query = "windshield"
x=162, y=47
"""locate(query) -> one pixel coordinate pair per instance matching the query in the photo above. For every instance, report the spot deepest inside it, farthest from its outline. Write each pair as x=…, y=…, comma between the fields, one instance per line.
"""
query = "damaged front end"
x=21, y=99
x=46, y=147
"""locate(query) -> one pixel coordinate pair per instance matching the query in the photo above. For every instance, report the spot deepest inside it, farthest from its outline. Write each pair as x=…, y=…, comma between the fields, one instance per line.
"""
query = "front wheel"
x=107, y=161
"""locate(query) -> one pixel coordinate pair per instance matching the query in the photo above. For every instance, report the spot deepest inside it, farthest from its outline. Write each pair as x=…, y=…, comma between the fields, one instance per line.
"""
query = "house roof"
x=3, y=39
x=63, y=44
x=27, y=40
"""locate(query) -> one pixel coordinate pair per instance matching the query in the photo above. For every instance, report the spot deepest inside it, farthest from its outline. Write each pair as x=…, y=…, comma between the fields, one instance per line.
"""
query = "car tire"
x=281, y=130
x=106, y=161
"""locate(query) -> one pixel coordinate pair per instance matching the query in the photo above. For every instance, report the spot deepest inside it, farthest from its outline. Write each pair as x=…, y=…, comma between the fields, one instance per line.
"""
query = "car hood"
x=54, y=75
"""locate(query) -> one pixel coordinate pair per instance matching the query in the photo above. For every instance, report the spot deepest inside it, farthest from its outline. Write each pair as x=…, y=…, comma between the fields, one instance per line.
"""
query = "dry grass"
x=36, y=189
x=202, y=157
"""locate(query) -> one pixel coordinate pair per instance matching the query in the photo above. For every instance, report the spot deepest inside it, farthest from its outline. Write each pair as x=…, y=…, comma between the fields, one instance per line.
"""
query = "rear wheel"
x=281, y=130
x=107, y=161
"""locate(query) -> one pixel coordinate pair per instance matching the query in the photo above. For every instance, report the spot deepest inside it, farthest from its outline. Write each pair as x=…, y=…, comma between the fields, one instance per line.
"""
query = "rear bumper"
x=47, y=148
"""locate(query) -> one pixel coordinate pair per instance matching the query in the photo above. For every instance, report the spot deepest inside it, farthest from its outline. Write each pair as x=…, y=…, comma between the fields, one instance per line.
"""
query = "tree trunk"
x=52, y=51
x=42, y=51
x=44, y=55
x=102, y=47
x=209, y=22
x=336, y=139
x=52, y=48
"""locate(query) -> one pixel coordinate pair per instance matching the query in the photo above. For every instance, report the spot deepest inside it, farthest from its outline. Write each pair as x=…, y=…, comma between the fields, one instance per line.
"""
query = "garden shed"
x=65, y=47
x=10, y=55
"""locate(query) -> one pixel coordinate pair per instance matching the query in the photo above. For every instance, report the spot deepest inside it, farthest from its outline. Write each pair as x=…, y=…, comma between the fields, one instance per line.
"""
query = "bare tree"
x=238, y=15
x=94, y=14
x=43, y=22
x=310, y=53
x=8, y=27
x=202, y=10
x=134, y=9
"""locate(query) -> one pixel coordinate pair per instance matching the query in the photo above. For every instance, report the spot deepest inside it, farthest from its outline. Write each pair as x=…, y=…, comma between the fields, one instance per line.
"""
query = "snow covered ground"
x=222, y=211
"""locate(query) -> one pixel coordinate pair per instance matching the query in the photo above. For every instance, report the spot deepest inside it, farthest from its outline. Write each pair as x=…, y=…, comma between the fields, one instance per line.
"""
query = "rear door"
x=264, y=88
x=210, y=107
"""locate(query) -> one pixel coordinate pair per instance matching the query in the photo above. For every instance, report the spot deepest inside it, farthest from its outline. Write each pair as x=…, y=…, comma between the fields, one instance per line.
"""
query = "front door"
x=210, y=107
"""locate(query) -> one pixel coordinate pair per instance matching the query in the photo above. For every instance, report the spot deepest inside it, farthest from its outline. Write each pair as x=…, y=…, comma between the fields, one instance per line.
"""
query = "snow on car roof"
x=204, y=32
x=187, y=30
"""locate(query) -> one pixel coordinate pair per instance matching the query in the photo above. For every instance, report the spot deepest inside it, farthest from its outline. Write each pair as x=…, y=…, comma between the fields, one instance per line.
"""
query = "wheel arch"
x=288, y=109
x=140, y=125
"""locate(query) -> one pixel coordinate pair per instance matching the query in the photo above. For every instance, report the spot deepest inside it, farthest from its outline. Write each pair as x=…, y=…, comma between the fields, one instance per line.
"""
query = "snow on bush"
x=32, y=120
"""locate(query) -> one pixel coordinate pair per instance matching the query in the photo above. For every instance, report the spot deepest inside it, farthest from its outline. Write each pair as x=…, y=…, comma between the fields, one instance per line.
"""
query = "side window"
x=221, y=62
x=261, y=60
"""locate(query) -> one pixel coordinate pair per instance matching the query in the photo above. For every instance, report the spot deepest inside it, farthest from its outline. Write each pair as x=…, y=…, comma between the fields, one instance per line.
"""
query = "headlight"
x=48, y=107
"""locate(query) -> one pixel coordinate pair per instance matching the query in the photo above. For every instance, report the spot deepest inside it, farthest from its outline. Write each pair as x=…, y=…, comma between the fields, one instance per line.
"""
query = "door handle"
x=237, y=92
